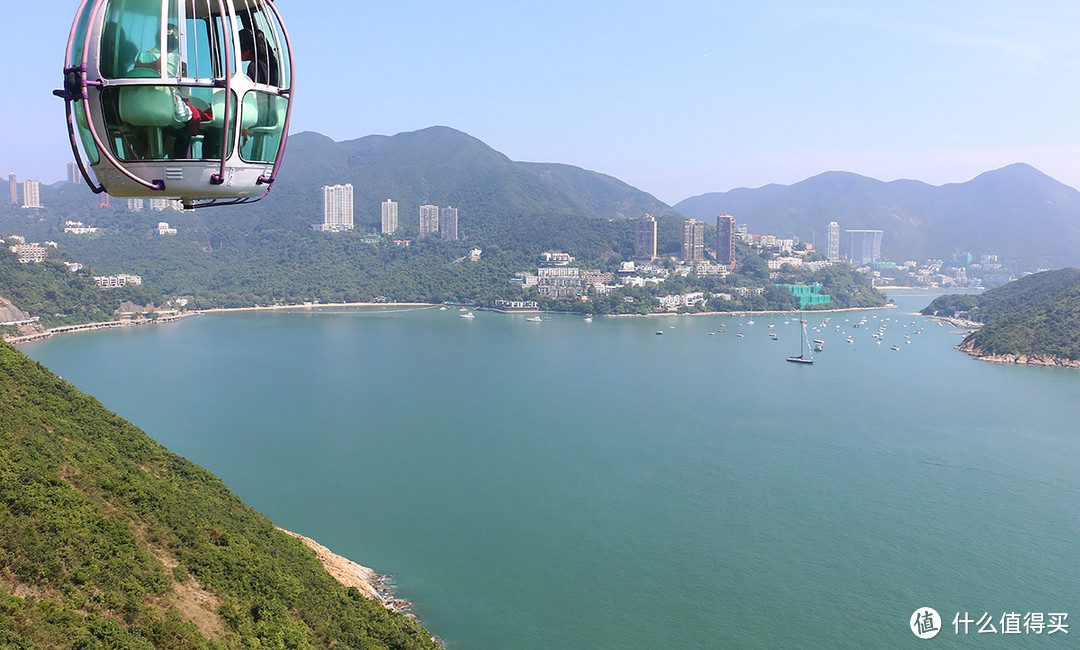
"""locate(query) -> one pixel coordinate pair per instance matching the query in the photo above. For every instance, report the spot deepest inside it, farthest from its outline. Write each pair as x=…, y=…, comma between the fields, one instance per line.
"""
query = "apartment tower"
x=429, y=220
x=448, y=223
x=389, y=217
x=338, y=207
x=725, y=240
x=833, y=250
x=693, y=240
x=645, y=238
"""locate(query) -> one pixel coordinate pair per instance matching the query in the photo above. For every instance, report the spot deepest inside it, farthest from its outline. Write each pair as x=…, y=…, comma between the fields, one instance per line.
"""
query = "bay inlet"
x=572, y=484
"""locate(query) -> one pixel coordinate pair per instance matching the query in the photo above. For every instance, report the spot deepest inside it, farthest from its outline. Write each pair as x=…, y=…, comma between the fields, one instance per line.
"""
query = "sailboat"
x=805, y=356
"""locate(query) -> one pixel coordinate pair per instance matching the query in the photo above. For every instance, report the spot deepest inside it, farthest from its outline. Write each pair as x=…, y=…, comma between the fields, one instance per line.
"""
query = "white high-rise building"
x=31, y=194
x=448, y=223
x=135, y=205
x=389, y=217
x=14, y=184
x=429, y=220
x=833, y=251
x=338, y=207
x=72, y=172
x=865, y=245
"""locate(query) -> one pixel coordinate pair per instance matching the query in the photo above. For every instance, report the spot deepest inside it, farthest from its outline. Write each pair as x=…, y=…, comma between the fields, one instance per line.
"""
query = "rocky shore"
x=373, y=585
x=1047, y=360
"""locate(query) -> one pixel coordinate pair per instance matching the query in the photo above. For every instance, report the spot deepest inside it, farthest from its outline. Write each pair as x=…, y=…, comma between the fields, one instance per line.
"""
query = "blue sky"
x=676, y=98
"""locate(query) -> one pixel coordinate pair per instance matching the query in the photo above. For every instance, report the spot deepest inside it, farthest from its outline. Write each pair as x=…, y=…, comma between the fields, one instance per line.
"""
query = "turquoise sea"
x=573, y=484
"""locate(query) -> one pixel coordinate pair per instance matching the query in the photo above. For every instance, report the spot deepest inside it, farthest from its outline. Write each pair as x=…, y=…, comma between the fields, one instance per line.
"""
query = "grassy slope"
x=108, y=540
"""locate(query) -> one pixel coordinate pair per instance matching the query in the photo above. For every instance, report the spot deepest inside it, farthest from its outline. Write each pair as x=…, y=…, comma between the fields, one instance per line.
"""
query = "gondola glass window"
x=183, y=116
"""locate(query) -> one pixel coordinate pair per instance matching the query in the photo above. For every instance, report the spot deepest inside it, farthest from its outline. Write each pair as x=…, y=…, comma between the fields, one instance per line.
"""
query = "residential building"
x=29, y=252
x=164, y=229
x=448, y=225
x=78, y=228
x=865, y=245
x=808, y=294
x=14, y=188
x=337, y=207
x=160, y=205
x=685, y=300
x=555, y=258
x=645, y=238
x=559, y=281
x=31, y=194
x=116, y=281
x=517, y=305
x=72, y=172
x=693, y=240
x=135, y=205
x=389, y=217
x=429, y=220
x=725, y=240
x=832, y=251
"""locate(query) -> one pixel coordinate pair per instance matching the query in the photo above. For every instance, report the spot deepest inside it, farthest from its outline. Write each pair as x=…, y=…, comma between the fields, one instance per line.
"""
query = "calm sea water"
x=568, y=484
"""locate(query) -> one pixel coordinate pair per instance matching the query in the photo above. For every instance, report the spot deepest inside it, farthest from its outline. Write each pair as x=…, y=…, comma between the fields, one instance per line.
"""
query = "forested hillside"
x=1035, y=316
x=108, y=540
x=52, y=292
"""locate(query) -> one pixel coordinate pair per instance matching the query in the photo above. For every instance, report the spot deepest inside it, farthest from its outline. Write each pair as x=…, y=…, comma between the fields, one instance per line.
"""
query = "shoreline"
x=1044, y=360
x=750, y=313
x=372, y=585
x=410, y=306
x=100, y=325
x=222, y=310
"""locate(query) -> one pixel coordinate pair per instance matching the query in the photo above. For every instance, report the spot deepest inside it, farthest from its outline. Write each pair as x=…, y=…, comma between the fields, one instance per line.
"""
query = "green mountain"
x=440, y=166
x=108, y=540
x=1015, y=212
x=1035, y=317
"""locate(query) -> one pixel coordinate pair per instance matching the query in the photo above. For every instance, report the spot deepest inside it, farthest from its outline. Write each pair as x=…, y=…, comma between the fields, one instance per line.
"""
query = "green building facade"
x=809, y=295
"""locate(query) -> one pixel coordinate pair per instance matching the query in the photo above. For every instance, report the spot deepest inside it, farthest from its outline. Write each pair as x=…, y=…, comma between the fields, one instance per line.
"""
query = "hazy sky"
x=676, y=98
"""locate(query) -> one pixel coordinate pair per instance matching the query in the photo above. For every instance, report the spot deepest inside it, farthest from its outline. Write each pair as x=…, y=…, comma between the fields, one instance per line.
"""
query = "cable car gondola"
x=205, y=123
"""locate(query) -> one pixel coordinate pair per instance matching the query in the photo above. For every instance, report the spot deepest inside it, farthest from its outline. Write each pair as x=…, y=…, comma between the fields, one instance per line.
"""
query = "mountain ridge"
x=1016, y=212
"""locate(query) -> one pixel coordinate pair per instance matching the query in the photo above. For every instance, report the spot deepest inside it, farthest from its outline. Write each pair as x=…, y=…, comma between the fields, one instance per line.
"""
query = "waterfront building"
x=517, y=305
x=645, y=238
x=31, y=194
x=14, y=185
x=865, y=245
x=429, y=220
x=725, y=240
x=808, y=294
x=337, y=207
x=693, y=240
x=559, y=281
x=448, y=224
x=832, y=251
x=389, y=217
x=673, y=302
